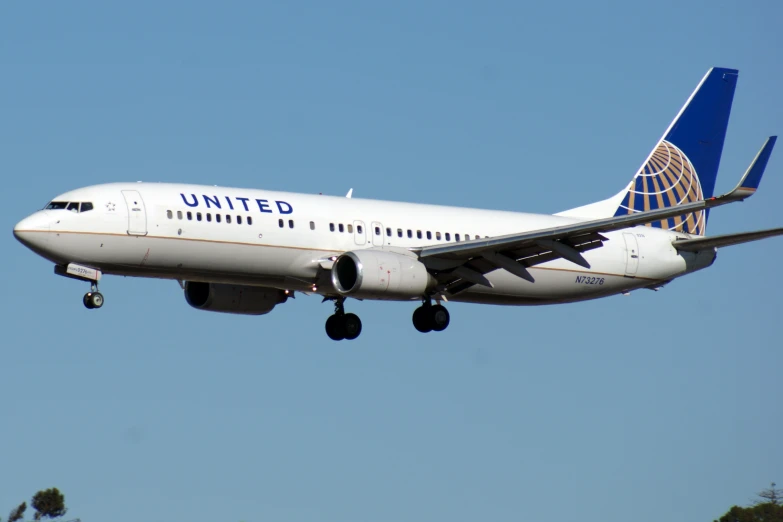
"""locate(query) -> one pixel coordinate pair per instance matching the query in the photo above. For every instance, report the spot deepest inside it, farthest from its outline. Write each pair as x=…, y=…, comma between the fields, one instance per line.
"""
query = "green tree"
x=48, y=503
x=768, y=509
x=18, y=512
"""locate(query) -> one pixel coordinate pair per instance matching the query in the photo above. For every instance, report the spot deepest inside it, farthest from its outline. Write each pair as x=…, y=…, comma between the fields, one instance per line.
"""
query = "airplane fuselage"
x=286, y=240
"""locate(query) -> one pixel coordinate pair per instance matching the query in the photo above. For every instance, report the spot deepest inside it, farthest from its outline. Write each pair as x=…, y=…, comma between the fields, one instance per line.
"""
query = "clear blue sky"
x=654, y=406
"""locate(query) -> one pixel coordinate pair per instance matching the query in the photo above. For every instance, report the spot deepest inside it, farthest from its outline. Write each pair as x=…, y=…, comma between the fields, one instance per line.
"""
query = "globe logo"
x=667, y=179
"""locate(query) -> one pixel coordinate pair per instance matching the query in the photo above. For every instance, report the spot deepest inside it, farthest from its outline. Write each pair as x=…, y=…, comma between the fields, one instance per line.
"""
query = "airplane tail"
x=683, y=165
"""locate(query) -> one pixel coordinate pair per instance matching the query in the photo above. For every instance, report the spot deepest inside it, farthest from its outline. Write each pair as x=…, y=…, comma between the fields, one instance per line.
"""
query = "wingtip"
x=752, y=178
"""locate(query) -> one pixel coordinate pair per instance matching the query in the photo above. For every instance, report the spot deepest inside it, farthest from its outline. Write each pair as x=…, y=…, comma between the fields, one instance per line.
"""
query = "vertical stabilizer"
x=683, y=166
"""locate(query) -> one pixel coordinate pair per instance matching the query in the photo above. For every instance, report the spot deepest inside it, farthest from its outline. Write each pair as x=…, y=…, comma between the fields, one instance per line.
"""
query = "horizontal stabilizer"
x=702, y=243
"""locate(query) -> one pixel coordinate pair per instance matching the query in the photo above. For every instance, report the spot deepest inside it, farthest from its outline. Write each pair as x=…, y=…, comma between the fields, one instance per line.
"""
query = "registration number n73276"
x=588, y=280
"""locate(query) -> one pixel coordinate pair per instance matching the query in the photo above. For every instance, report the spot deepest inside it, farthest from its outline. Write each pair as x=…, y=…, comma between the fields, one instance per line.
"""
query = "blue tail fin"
x=683, y=166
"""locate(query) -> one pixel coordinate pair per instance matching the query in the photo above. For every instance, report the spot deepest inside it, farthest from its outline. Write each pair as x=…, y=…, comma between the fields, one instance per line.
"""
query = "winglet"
x=752, y=178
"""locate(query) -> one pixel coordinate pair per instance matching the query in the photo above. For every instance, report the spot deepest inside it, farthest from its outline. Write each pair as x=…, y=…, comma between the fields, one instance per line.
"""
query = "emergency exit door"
x=137, y=214
x=377, y=234
x=358, y=233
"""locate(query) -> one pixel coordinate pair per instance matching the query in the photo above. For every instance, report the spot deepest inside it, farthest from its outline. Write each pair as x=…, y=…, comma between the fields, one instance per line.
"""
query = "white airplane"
x=245, y=251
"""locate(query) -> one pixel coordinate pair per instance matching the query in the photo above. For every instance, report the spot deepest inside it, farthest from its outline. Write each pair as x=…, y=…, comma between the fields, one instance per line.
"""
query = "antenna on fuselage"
x=350, y=193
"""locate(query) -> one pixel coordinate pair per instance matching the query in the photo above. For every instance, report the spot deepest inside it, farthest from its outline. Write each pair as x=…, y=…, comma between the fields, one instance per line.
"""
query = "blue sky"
x=656, y=405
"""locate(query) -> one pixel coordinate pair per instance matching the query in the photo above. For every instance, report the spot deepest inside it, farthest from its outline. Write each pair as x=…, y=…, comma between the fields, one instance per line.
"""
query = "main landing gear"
x=341, y=325
x=93, y=298
x=431, y=318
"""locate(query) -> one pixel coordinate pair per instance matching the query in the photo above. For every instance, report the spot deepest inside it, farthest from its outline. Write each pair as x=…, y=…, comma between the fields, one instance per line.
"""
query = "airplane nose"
x=33, y=230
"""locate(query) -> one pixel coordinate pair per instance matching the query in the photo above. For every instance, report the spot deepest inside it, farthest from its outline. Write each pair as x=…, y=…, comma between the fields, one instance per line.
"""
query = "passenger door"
x=632, y=254
x=137, y=214
x=359, y=236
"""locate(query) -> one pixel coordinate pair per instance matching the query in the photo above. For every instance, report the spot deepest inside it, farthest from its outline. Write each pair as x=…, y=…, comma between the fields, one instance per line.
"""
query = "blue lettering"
x=230, y=205
x=280, y=207
x=195, y=200
x=213, y=200
x=263, y=206
x=244, y=202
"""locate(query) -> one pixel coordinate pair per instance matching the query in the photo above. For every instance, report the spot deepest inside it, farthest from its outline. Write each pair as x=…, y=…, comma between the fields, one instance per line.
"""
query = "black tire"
x=352, y=326
x=439, y=318
x=88, y=301
x=335, y=328
x=422, y=320
x=96, y=299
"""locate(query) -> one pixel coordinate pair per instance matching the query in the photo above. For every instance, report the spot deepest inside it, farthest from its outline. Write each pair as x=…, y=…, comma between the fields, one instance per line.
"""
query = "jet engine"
x=233, y=299
x=380, y=275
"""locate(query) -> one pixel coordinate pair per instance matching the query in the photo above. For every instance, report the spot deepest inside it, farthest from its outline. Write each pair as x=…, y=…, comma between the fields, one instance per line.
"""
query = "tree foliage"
x=17, y=513
x=758, y=513
x=48, y=503
x=768, y=509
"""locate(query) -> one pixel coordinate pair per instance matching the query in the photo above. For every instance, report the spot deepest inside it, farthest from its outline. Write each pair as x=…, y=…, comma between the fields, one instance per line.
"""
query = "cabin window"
x=290, y=223
x=280, y=223
x=399, y=232
x=85, y=207
x=360, y=229
x=418, y=234
x=448, y=236
x=388, y=232
x=209, y=217
x=467, y=237
x=239, y=220
x=73, y=207
x=429, y=235
x=312, y=225
x=331, y=227
x=350, y=228
x=228, y=218
x=410, y=234
x=437, y=236
x=179, y=214
x=217, y=218
x=198, y=216
x=190, y=216
x=377, y=231
x=169, y=214
x=249, y=220
x=456, y=237
x=340, y=227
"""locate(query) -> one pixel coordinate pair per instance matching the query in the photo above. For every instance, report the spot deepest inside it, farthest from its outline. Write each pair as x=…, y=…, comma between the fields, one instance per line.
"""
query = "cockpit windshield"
x=73, y=206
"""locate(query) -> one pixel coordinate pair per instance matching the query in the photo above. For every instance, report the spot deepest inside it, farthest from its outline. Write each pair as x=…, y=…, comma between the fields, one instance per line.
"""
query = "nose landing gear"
x=431, y=318
x=340, y=325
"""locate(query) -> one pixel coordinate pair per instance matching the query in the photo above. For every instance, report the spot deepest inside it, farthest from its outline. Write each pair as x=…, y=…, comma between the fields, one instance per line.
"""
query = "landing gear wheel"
x=352, y=326
x=439, y=318
x=93, y=300
x=421, y=319
x=335, y=327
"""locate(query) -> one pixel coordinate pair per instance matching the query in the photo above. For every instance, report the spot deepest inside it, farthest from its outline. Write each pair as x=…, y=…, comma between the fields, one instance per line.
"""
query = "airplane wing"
x=459, y=266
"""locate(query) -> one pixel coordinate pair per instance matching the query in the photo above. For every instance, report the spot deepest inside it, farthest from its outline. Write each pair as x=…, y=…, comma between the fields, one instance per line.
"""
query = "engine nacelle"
x=380, y=275
x=233, y=299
